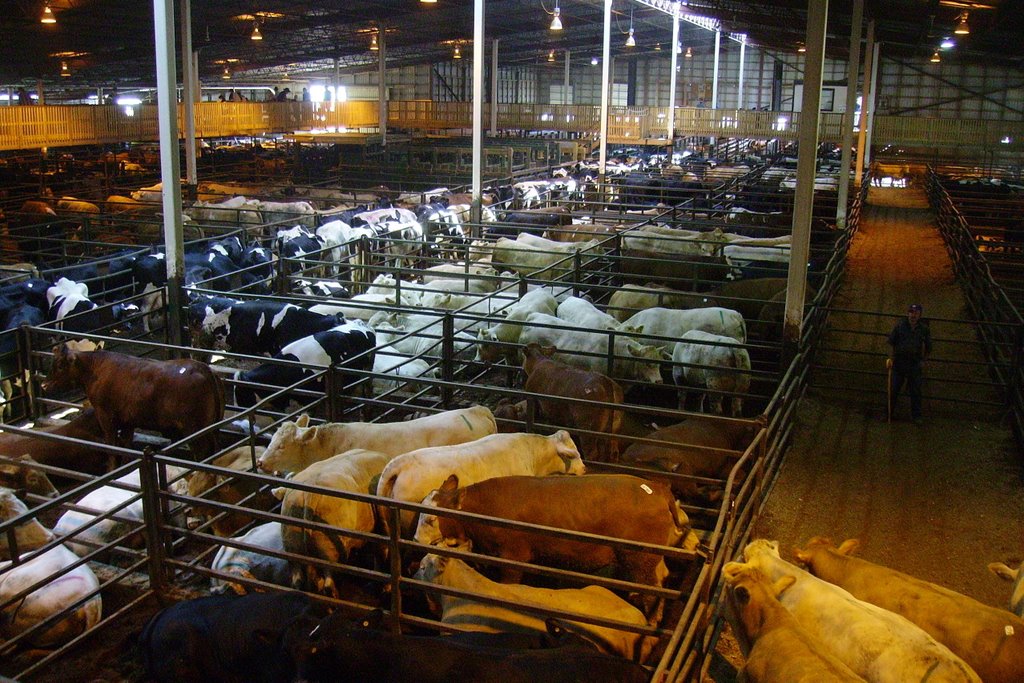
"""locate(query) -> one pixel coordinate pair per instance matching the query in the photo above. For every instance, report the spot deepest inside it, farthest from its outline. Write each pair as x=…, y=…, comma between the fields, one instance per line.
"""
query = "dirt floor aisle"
x=938, y=500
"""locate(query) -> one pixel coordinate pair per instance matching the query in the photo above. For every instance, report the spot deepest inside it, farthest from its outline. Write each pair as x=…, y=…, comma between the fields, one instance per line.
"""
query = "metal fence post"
x=331, y=389
x=152, y=516
x=28, y=394
x=447, y=358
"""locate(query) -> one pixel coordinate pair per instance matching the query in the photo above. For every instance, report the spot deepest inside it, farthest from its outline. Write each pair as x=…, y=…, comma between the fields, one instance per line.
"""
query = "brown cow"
x=174, y=397
x=692, y=457
x=227, y=489
x=614, y=505
x=66, y=455
x=989, y=639
x=546, y=376
x=21, y=475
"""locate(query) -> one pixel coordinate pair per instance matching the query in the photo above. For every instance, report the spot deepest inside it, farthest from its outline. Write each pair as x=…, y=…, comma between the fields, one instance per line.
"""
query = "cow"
x=550, y=378
x=122, y=496
x=508, y=332
x=658, y=239
x=531, y=221
x=631, y=299
x=713, y=365
x=348, y=345
x=584, y=314
x=590, y=601
x=295, y=244
x=1017, y=577
x=668, y=322
x=225, y=638
x=235, y=210
x=174, y=397
x=367, y=653
x=352, y=472
x=300, y=213
x=29, y=535
x=24, y=474
x=225, y=489
x=776, y=647
x=615, y=505
x=697, y=448
x=878, y=645
x=63, y=454
x=589, y=350
x=989, y=639
x=255, y=327
x=296, y=445
x=528, y=259
x=412, y=476
x=73, y=593
x=251, y=564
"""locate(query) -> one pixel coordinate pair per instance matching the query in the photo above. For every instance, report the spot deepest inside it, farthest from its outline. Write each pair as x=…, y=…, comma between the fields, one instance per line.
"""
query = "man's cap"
x=915, y=307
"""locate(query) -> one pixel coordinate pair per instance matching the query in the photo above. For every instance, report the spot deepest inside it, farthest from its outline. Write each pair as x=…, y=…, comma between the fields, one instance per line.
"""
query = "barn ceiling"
x=110, y=42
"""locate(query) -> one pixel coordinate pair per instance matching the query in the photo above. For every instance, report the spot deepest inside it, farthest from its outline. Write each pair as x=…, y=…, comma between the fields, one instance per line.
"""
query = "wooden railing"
x=62, y=125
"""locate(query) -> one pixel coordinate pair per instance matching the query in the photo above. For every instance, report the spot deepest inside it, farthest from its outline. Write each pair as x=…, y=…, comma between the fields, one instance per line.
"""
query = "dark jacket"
x=910, y=345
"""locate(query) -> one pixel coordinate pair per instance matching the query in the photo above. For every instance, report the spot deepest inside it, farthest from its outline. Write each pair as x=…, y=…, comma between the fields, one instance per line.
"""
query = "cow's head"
x=820, y=547
x=286, y=449
x=22, y=474
x=567, y=451
x=448, y=529
x=749, y=591
x=761, y=547
x=65, y=370
x=648, y=360
x=29, y=535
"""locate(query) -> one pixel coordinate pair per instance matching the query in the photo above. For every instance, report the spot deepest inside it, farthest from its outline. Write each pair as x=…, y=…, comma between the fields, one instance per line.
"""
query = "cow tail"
x=385, y=489
x=743, y=328
x=218, y=388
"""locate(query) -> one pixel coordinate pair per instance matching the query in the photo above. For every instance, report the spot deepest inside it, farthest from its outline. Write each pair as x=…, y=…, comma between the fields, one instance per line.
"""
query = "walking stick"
x=888, y=388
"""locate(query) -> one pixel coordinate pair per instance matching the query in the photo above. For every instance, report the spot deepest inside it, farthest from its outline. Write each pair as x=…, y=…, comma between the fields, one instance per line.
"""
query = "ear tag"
x=647, y=489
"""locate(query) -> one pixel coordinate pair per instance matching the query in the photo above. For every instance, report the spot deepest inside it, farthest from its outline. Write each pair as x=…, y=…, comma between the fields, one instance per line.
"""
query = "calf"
x=174, y=397
x=250, y=564
x=29, y=535
x=225, y=638
x=715, y=366
x=65, y=455
x=548, y=377
x=777, y=648
x=226, y=489
x=254, y=327
x=23, y=474
x=990, y=640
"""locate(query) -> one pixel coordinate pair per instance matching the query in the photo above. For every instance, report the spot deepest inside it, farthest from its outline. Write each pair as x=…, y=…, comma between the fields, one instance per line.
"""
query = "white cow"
x=296, y=445
x=669, y=322
x=236, y=210
x=659, y=239
x=584, y=314
x=302, y=213
x=410, y=477
x=590, y=601
x=528, y=259
x=1017, y=577
x=878, y=645
x=739, y=256
x=252, y=565
x=54, y=597
x=30, y=535
x=387, y=361
x=632, y=361
x=630, y=298
x=713, y=365
x=534, y=301
x=352, y=472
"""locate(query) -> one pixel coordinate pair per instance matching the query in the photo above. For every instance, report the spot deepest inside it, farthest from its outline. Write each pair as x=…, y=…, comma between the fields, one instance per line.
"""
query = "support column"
x=188, y=94
x=382, y=91
x=739, y=88
x=862, y=124
x=565, y=80
x=170, y=168
x=40, y=92
x=806, y=168
x=337, y=85
x=494, y=88
x=714, y=78
x=673, y=77
x=875, y=59
x=606, y=59
x=851, y=104
x=478, y=108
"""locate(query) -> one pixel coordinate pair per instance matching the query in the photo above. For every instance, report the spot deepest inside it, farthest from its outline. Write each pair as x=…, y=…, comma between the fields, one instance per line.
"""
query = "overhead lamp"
x=802, y=48
x=631, y=41
x=64, y=70
x=48, y=17
x=962, y=29
x=428, y=2
x=256, y=35
x=657, y=47
x=458, y=53
x=556, y=20
x=689, y=52
x=935, y=58
x=947, y=43
x=373, y=42
x=551, y=56
x=594, y=61
x=226, y=74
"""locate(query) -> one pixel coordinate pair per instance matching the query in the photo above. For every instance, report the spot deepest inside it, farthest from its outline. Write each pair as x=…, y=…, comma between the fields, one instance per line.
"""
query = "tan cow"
x=990, y=640
x=776, y=646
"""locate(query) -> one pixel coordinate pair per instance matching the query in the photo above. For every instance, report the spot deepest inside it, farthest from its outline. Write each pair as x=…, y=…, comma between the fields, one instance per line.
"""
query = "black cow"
x=254, y=327
x=31, y=292
x=345, y=345
x=259, y=259
x=296, y=243
x=230, y=639
x=366, y=654
x=533, y=221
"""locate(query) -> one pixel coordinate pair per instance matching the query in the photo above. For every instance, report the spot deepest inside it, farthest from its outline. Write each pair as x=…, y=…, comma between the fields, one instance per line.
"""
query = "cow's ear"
x=450, y=484
x=802, y=556
x=308, y=434
x=742, y=595
x=781, y=585
x=548, y=351
x=99, y=345
x=732, y=570
x=848, y=547
x=302, y=420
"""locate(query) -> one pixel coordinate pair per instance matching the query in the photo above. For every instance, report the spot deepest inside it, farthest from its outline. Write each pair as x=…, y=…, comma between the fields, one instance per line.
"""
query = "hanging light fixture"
x=689, y=52
x=48, y=16
x=256, y=35
x=458, y=53
x=630, y=41
x=64, y=70
x=373, y=42
x=802, y=48
x=657, y=47
x=556, y=21
x=962, y=29
x=594, y=61
x=935, y=58
x=226, y=73
x=947, y=44
x=428, y=2
x=551, y=56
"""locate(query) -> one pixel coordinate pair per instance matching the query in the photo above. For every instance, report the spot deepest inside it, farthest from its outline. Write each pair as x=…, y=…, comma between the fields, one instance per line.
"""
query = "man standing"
x=911, y=342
